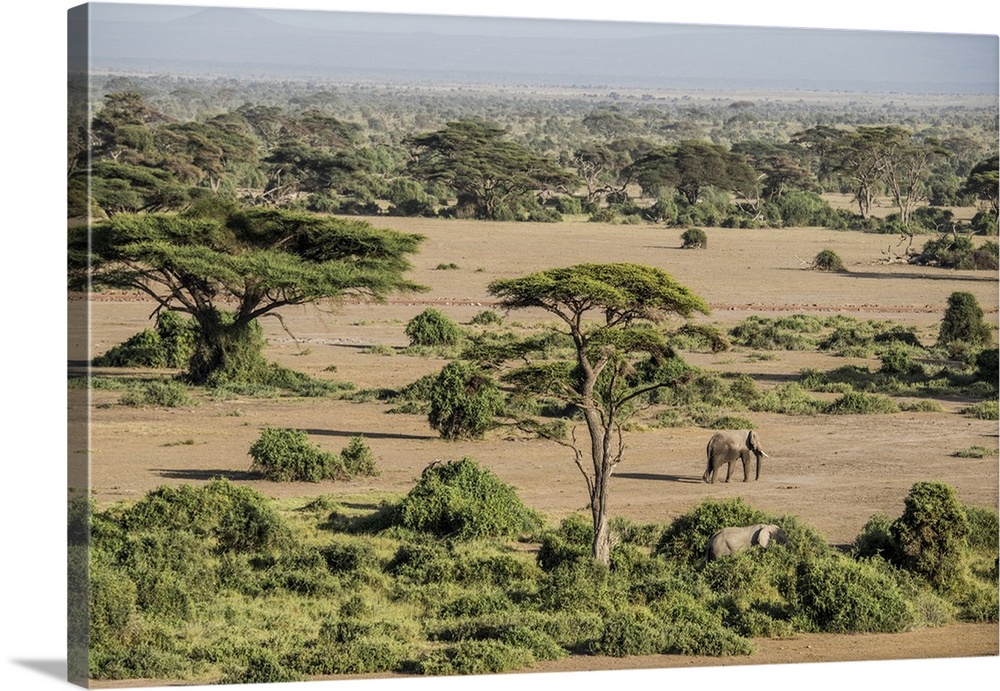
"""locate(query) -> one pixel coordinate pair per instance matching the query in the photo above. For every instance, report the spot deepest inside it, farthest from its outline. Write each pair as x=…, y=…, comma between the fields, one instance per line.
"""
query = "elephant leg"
x=729, y=470
x=746, y=467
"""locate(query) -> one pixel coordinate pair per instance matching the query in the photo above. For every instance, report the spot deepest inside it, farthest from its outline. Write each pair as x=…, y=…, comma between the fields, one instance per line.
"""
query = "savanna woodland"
x=418, y=380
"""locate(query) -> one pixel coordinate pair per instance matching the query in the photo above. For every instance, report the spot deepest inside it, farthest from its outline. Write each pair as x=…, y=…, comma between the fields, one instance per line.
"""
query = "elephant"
x=729, y=540
x=725, y=447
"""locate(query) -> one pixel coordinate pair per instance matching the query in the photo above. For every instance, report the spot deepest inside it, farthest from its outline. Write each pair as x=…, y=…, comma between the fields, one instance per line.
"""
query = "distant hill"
x=242, y=42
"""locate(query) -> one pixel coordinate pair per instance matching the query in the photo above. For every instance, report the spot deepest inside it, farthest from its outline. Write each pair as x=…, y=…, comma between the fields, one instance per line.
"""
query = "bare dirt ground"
x=834, y=472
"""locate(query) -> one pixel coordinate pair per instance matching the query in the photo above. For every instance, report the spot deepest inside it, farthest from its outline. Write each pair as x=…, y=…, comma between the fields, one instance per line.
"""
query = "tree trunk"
x=601, y=548
x=228, y=349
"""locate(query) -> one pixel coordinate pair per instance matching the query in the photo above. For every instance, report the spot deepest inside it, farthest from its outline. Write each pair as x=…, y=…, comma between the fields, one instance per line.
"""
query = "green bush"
x=732, y=422
x=687, y=536
x=963, y=322
x=690, y=628
x=238, y=518
x=828, y=260
x=357, y=458
x=571, y=542
x=486, y=317
x=464, y=401
x=983, y=528
x=931, y=533
x=984, y=410
x=840, y=595
x=285, y=455
x=166, y=394
x=959, y=252
x=858, y=403
x=169, y=344
x=459, y=499
x=632, y=632
x=694, y=238
x=474, y=657
x=432, y=328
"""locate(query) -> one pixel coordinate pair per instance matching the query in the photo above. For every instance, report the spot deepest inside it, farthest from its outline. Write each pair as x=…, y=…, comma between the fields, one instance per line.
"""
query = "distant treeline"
x=158, y=144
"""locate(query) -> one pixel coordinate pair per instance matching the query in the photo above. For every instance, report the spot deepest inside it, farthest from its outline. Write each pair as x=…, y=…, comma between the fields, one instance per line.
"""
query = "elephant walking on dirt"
x=729, y=540
x=725, y=447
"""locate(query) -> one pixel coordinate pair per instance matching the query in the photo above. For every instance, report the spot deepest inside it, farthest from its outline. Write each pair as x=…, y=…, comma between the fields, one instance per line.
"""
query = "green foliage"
x=463, y=501
x=216, y=253
x=486, y=317
x=694, y=238
x=931, y=533
x=840, y=595
x=984, y=410
x=858, y=403
x=632, y=632
x=285, y=455
x=828, y=260
x=357, y=458
x=169, y=344
x=432, y=328
x=732, y=422
x=464, y=401
x=963, y=322
x=474, y=657
x=983, y=528
x=166, y=394
x=975, y=451
x=787, y=333
x=236, y=518
x=569, y=543
x=959, y=252
x=686, y=537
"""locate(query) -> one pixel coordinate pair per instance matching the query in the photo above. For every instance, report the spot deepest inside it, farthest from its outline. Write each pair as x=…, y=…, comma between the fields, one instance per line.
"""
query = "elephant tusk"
x=764, y=454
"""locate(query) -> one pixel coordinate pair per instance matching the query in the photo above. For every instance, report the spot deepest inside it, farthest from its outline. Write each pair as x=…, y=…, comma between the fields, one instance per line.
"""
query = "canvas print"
x=416, y=345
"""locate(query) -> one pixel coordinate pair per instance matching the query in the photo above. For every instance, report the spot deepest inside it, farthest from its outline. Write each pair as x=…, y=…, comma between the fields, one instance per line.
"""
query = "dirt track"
x=834, y=472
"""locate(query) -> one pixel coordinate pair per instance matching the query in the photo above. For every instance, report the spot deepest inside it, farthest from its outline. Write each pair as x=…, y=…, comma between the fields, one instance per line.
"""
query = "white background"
x=33, y=314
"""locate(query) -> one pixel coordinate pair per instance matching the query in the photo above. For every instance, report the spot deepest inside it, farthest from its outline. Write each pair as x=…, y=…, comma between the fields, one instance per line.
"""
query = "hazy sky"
x=585, y=53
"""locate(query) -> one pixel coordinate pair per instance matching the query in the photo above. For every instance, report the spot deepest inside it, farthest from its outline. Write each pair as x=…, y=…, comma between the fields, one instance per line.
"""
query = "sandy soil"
x=834, y=472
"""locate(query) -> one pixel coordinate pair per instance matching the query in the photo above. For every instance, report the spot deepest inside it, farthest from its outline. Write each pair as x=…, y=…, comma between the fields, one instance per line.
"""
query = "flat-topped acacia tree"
x=228, y=266
x=606, y=309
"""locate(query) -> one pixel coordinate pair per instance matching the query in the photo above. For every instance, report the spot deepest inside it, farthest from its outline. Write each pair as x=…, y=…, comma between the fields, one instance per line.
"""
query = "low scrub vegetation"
x=285, y=455
x=218, y=584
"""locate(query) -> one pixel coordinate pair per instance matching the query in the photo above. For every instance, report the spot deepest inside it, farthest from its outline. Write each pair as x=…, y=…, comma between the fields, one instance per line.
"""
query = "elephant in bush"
x=730, y=540
x=725, y=447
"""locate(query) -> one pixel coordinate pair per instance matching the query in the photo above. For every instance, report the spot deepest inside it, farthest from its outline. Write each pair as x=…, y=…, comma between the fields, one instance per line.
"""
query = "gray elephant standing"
x=725, y=447
x=729, y=540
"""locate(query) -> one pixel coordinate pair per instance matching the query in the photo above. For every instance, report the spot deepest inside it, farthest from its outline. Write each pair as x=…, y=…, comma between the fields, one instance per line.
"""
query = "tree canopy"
x=259, y=259
x=489, y=173
x=602, y=306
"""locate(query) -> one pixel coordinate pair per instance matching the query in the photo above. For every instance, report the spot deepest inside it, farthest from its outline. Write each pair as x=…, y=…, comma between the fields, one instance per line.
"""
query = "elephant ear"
x=753, y=443
x=764, y=536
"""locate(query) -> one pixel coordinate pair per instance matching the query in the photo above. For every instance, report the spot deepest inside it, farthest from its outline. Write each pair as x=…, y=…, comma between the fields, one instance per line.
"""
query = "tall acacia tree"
x=624, y=298
x=258, y=259
x=489, y=173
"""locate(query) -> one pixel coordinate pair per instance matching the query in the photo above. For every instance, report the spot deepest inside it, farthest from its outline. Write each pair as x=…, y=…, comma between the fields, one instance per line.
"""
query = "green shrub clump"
x=931, y=533
x=963, y=323
x=828, y=260
x=694, y=238
x=167, y=394
x=461, y=500
x=432, y=328
x=464, y=401
x=285, y=455
x=169, y=344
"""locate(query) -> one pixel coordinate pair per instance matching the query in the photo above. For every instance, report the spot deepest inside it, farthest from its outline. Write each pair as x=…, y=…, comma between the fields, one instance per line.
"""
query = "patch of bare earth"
x=834, y=472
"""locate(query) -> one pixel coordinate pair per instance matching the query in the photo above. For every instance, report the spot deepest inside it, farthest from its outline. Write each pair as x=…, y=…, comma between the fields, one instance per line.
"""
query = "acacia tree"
x=490, y=174
x=984, y=183
x=691, y=166
x=259, y=259
x=625, y=298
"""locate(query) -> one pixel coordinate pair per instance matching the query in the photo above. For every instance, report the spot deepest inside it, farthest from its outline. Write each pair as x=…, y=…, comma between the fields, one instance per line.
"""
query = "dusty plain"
x=834, y=472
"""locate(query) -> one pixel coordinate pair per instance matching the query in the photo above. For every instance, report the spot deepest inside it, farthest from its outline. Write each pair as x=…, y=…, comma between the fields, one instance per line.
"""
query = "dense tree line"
x=702, y=163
